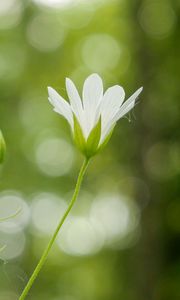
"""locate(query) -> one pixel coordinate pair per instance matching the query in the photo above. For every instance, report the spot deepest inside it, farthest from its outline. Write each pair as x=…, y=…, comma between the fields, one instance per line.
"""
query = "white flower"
x=93, y=118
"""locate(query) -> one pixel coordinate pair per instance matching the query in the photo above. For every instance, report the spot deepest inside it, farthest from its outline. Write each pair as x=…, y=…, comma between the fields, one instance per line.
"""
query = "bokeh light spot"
x=10, y=203
x=54, y=3
x=116, y=215
x=76, y=19
x=14, y=243
x=44, y=33
x=157, y=18
x=54, y=156
x=67, y=4
x=47, y=209
x=80, y=237
x=10, y=13
x=161, y=161
x=101, y=52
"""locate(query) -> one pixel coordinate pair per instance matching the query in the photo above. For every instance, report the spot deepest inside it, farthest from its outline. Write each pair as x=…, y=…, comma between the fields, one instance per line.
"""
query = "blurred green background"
x=122, y=238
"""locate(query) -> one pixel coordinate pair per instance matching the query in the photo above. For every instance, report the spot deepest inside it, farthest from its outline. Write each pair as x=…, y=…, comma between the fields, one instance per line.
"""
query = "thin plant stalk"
x=52, y=240
x=11, y=216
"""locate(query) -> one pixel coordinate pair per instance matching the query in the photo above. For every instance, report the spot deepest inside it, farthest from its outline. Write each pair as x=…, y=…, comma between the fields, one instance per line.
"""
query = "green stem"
x=11, y=216
x=51, y=242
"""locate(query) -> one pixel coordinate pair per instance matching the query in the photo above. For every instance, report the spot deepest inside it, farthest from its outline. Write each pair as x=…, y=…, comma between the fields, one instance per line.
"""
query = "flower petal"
x=110, y=104
x=124, y=109
x=92, y=95
x=106, y=131
x=128, y=105
x=76, y=104
x=60, y=105
x=74, y=98
x=92, y=91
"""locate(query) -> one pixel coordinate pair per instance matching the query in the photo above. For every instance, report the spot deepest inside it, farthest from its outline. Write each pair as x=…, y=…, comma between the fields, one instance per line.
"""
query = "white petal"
x=105, y=132
x=61, y=106
x=92, y=91
x=128, y=105
x=92, y=95
x=76, y=104
x=74, y=97
x=124, y=109
x=110, y=104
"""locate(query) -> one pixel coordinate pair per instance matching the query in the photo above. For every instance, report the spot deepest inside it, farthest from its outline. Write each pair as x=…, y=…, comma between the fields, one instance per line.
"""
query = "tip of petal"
x=136, y=94
x=50, y=89
x=95, y=75
x=119, y=89
x=68, y=80
x=69, y=84
x=93, y=81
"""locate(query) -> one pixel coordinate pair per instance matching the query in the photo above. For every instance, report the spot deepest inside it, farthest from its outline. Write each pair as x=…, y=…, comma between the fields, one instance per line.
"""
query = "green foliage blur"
x=122, y=240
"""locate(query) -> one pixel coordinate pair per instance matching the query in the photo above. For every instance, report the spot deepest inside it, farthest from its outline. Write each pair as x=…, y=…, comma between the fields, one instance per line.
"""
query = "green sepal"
x=93, y=140
x=106, y=140
x=79, y=138
x=89, y=147
x=2, y=147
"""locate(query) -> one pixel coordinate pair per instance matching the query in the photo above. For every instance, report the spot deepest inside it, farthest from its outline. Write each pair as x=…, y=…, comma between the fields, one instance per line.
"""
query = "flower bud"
x=2, y=147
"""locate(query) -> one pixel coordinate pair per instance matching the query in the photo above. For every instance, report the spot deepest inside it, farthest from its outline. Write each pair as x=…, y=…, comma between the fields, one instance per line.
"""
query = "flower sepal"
x=78, y=136
x=88, y=147
x=106, y=140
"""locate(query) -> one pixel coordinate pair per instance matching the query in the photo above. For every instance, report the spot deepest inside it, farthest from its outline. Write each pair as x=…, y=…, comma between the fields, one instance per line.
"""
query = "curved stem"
x=11, y=216
x=51, y=242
